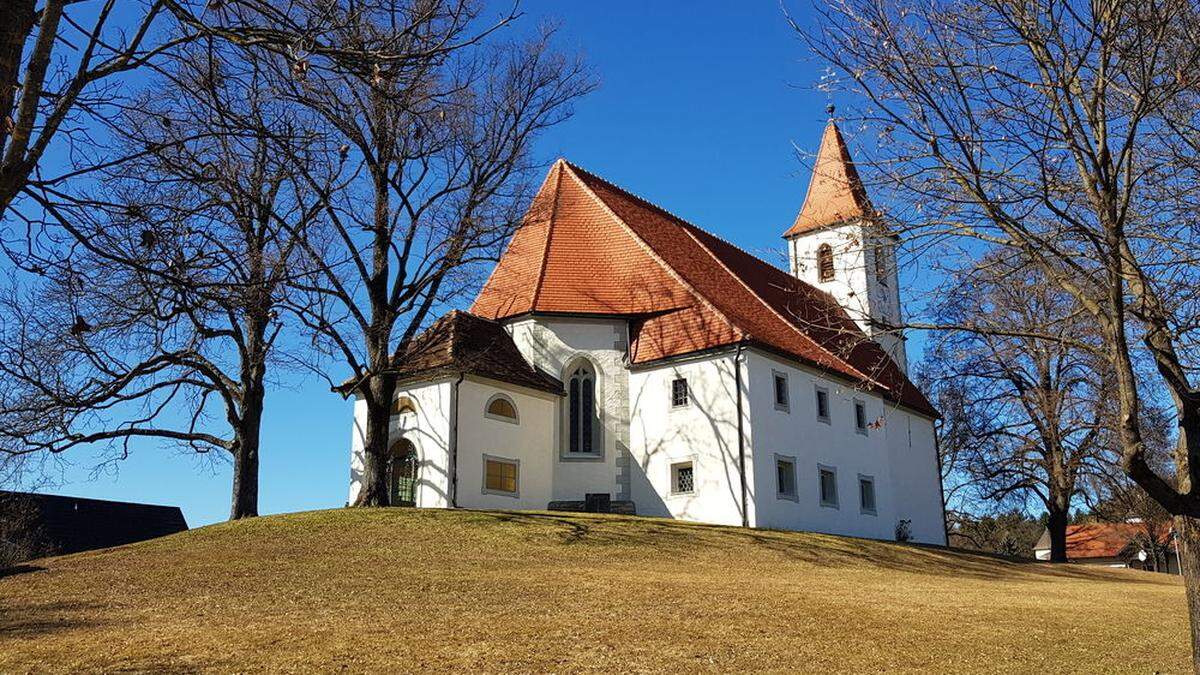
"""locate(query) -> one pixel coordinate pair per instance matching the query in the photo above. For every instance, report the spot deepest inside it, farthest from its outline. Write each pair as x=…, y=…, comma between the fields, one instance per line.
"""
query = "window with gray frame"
x=679, y=392
x=582, y=422
x=828, y=486
x=823, y=404
x=785, y=477
x=781, y=391
x=860, y=417
x=501, y=476
x=866, y=494
x=683, y=478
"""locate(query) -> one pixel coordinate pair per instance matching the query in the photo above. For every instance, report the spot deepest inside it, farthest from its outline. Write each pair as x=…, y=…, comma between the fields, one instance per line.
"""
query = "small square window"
x=860, y=417
x=679, y=393
x=823, y=404
x=781, y=391
x=828, y=486
x=866, y=494
x=683, y=478
x=500, y=476
x=785, y=478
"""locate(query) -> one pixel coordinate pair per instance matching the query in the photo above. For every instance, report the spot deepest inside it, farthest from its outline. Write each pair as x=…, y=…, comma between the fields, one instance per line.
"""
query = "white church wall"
x=796, y=433
x=555, y=345
x=849, y=283
x=704, y=433
x=428, y=429
x=912, y=444
x=529, y=441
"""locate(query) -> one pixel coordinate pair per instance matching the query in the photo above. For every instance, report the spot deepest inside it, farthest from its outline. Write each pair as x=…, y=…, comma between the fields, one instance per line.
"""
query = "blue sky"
x=698, y=110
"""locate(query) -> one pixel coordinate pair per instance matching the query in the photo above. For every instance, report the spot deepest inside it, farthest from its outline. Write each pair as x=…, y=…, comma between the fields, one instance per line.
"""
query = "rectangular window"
x=823, y=404
x=679, y=393
x=785, y=477
x=500, y=476
x=781, y=391
x=828, y=487
x=860, y=417
x=683, y=478
x=866, y=494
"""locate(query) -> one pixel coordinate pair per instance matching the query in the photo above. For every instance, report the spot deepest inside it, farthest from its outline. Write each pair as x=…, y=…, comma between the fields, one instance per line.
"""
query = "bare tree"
x=60, y=68
x=168, y=291
x=1063, y=130
x=1032, y=414
x=436, y=129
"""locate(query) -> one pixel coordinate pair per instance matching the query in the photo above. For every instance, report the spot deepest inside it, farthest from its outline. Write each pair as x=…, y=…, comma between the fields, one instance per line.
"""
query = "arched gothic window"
x=402, y=473
x=825, y=262
x=581, y=402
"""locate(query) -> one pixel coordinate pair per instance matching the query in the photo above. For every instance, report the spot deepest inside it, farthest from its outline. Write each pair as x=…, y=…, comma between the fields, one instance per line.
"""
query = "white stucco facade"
x=645, y=437
x=868, y=289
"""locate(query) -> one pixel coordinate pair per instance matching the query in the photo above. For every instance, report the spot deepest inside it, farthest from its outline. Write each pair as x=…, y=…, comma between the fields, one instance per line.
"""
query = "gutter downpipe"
x=737, y=383
x=454, y=445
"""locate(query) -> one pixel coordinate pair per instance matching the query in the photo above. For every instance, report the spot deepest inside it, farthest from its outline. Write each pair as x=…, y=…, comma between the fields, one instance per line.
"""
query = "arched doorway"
x=402, y=475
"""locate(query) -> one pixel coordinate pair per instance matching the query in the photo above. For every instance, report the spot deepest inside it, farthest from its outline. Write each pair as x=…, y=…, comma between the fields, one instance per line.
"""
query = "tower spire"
x=835, y=192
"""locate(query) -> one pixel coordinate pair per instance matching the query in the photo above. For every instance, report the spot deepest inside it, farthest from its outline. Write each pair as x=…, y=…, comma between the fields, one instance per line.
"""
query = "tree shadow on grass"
x=19, y=569
x=822, y=550
x=43, y=619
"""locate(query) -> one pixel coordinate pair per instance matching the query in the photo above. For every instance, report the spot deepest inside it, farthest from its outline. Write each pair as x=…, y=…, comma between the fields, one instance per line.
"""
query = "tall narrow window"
x=823, y=404
x=679, y=393
x=881, y=268
x=581, y=391
x=781, y=391
x=866, y=494
x=828, y=486
x=785, y=478
x=860, y=417
x=825, y=262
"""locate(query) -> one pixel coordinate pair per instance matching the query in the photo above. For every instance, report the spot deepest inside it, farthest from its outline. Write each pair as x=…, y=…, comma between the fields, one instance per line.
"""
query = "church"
x=621, y=359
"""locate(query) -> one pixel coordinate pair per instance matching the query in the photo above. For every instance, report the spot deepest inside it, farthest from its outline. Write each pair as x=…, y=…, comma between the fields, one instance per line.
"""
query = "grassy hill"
x=401, y=589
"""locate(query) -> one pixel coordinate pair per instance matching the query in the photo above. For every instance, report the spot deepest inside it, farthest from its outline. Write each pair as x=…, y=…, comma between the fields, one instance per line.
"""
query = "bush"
x=20, y=533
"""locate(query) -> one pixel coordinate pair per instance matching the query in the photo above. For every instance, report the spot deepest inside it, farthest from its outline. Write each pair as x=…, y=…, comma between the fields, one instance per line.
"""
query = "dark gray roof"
x=74, y=524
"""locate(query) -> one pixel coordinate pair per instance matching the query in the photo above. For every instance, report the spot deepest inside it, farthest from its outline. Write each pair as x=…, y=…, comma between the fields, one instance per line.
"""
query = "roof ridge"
x=645, y=246
x=688, y=227
x=776, y=312
x=537, y=287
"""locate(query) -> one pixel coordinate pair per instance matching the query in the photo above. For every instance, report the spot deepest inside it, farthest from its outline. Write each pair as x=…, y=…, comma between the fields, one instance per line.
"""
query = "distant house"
x=1114, y=545
x=73, y=524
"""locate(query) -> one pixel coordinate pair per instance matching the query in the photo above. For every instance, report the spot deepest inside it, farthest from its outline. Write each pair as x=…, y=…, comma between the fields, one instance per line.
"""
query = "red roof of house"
x=590, y=247
x=1101, y=540
x=835, y=193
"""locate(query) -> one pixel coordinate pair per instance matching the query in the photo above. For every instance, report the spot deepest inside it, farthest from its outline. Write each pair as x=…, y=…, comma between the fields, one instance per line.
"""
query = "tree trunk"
x=16, y=23
x=374, y=491
x=1057, y=527
x=1187, y=530
x=245, y=454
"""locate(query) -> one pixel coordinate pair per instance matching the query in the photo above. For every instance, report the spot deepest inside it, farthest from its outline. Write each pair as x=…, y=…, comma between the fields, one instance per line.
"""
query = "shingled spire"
x=835, y=193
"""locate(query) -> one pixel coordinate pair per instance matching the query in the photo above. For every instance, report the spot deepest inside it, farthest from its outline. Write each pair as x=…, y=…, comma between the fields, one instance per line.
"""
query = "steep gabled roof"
x=464, y=343
x=835, y=192
x=590, y=247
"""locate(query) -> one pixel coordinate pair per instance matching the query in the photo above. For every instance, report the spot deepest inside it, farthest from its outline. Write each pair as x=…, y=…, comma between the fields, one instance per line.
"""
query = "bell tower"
x=838, y=245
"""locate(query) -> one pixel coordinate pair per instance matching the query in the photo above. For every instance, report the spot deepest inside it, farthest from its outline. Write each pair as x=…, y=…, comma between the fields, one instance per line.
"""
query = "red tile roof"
x=835, y=193
x=1102, y=540
x=589, y=247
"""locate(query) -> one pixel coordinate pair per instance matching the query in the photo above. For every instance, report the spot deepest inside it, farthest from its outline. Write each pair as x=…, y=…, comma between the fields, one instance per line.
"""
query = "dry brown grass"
x=410, y=590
